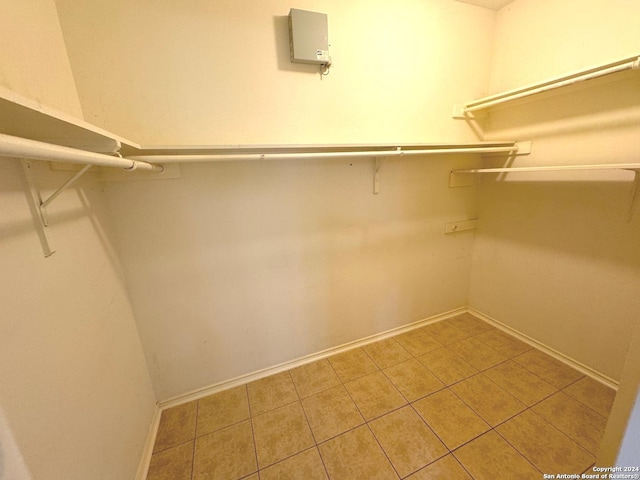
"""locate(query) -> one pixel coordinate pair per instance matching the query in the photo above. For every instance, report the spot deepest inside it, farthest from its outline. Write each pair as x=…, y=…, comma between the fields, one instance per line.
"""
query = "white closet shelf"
x=629, y=63
x=38, y=125
x=554, y=168
x=26, y=118
x=32, y=131
x=460, y=178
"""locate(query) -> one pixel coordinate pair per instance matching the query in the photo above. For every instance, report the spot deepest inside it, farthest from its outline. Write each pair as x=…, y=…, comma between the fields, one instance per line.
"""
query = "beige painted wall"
x=237, y=267
x=536, y=40
x=555, y=256
x=76, y=401
x=241, y=266
x=76, y=392
x=207, y=72
x=33, y=48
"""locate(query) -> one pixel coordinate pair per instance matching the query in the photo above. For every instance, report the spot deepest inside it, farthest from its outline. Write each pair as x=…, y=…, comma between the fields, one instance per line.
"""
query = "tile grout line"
x=540, y=377
x=553, y=426
x=449, y=451
x=517, y=450
x=505, y=391
x=381, y=448
x=324, y=465
x=578, y=399
x=195, y=433
x=561, y=390
x=429, y=426
x=493, y=429
x=413, y=356
x=543, y=419
x=462, y=465
x=253, y=433
x=193, y=460
x=315, y=442
x=288, y=457
x=174, y=446
x=366, y=422
x=446, y=387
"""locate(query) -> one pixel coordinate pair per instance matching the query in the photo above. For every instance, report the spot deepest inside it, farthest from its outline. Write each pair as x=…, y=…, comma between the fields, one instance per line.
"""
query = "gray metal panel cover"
x=308, y=37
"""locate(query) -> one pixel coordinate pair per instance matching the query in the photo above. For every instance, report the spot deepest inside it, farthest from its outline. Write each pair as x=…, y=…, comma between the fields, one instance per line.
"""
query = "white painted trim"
x=145, y=460
x=604, y=379
x=257, y=375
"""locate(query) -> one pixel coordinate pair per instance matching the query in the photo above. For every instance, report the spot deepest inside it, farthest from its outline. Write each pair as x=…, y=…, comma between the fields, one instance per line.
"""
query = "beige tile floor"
x=458, y=399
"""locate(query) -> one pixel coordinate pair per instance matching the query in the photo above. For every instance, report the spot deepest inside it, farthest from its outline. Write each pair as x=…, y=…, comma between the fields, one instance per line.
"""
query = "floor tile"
x=407, y=441
x=545, y=446
x=331, y=413
x=314, y=378
x=487, y=399
x=281, y=433
x=306, y=465
x=374, y=395
x=450, y=418
x=447, y=366
x=490, y=457
x=548, y=368
x=469, y=324
x=356, y=455
x=477, y=353
x=520, y=382
x=227, y=454
x=593, y=394
x=271, y=392
x=172, y=464
x=177, y=426
x=447, y=468
x=582, y=424
x=445, y=333
x=413, y=379
x=417, y=342
x=222, y=409
x=352, y=364
x=504, y=343
x=386, y=352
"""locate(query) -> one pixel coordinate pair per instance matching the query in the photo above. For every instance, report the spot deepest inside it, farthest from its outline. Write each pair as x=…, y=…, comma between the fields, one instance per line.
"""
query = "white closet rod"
x=558, y=168
x=632, y=63
x=285, y=156
x=31, y=149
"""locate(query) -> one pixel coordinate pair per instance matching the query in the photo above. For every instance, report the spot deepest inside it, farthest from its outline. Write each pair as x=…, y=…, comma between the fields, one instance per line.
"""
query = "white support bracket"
x=463, y=179
x=379, y=162
x=67, y=184
x=459, y=113
x=39, y=206
x=35, y=201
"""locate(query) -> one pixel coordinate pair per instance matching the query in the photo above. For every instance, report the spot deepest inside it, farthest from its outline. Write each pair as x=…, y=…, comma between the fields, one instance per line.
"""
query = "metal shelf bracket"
x=379, y=162
x=39, y=206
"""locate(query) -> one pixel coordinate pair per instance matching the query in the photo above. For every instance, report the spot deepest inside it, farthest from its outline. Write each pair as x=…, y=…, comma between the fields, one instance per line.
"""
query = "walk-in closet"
x=409, y=252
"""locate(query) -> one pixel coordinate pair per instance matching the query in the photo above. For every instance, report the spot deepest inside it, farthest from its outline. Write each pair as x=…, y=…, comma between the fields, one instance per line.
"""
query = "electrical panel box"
x=308, y=37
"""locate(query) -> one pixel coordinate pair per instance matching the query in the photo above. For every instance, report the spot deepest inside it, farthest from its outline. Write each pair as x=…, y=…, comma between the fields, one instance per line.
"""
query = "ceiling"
x=492, y=4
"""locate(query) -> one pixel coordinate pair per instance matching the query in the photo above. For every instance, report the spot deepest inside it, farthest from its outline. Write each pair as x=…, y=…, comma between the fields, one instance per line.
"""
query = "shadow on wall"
x=76, y=204
x=12, y=465
x=608, y=103
x=589, y=219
